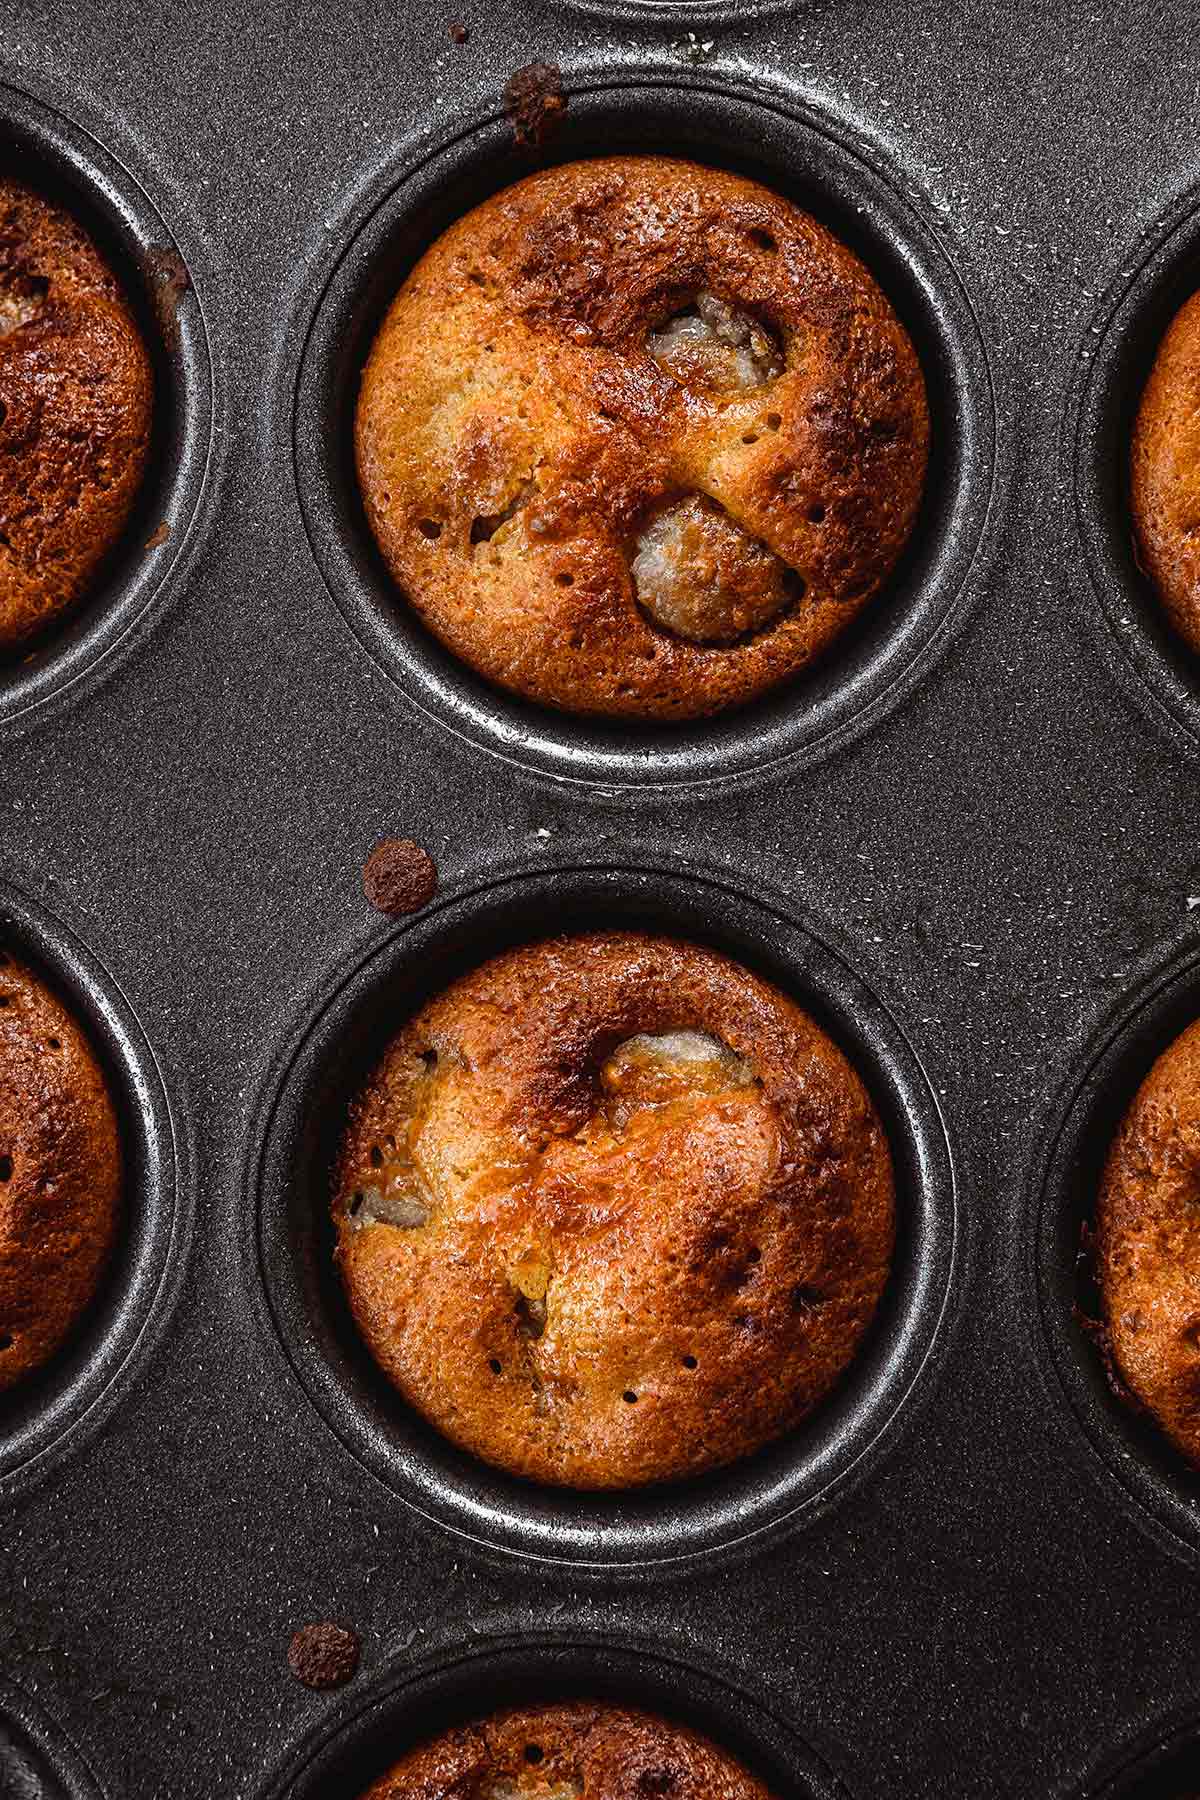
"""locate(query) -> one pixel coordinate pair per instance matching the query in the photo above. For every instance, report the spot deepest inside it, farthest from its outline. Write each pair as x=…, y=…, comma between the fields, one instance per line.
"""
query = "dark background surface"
x=988, y=1612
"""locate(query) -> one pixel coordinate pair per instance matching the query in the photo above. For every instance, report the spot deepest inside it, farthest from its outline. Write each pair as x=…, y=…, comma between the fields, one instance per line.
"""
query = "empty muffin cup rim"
x=49, y=1742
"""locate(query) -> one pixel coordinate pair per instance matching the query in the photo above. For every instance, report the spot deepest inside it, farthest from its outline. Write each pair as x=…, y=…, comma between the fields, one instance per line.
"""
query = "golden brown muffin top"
x=613, y=1210
x=1165, y=472
x=575, y=1751
x=60, y=1172
x=639, y=438
x=1148, y=1244
x=75, y=413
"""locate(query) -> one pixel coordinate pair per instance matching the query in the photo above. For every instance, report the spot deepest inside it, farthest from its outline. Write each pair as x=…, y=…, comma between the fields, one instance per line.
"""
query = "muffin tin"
x=770, y=137
x=967, y=841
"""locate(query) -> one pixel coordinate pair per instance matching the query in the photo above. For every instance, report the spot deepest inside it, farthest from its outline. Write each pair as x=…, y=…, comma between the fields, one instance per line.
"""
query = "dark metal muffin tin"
x=969, y=841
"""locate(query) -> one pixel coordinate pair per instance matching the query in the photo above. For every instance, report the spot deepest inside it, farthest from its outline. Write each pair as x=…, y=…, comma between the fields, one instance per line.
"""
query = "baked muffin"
x=612, y=1210
x=639, y=438
x=60, y=1172
x=1165, y=473
x=580, y=1750
x=1148, y=1244
x=75, y=411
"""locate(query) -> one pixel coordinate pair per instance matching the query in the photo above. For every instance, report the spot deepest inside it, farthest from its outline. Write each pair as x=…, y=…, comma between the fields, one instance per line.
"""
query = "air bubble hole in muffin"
x=484, y=526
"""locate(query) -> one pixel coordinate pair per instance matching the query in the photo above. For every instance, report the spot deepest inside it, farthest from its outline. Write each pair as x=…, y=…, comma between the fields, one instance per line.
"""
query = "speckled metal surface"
x=973, y=844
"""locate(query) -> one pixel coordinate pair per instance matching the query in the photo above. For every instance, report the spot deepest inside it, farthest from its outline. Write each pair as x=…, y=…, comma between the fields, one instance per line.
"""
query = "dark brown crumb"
x=1097, y=1331
x=171, y=283
x=324, y=1655
x=158, y=536
x=459, y=33
x=1139, y=563
x=399, y=877
x=535, y=102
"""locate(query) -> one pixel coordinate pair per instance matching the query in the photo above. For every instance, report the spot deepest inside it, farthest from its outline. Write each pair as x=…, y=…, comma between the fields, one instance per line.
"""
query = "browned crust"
x=718, y=1257
x=60, y=1172
x=76, y=394
x=598, y=1752
x=1165, y=473
x=516, y=349
x=1148, y=1244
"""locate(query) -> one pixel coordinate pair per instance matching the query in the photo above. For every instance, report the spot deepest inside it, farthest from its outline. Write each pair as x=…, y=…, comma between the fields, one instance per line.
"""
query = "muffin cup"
x=849, y=188
x=290, y=1252
x=1159, y=1764
x=1153, y=664
x=1159, y=1487
x=76, y=1391
x=36, y=1761
x=49, y=152
x=409, y=1702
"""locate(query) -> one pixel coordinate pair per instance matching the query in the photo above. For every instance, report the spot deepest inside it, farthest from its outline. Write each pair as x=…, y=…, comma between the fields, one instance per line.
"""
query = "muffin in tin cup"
x=640, y=439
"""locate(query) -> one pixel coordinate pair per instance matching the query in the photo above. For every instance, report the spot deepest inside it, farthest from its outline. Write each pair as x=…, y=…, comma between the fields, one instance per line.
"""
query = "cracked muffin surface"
x=1148, y=1244
x=60, y=1172
x=613, y=344
x=576, y=1750
x=75, y=414
x=613, y=1210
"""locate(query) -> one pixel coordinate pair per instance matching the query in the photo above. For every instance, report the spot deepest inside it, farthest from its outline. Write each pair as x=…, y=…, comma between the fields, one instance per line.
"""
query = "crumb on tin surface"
x=535, y=102
x=171, y=282
x=324, y=1655
x=399, y=876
